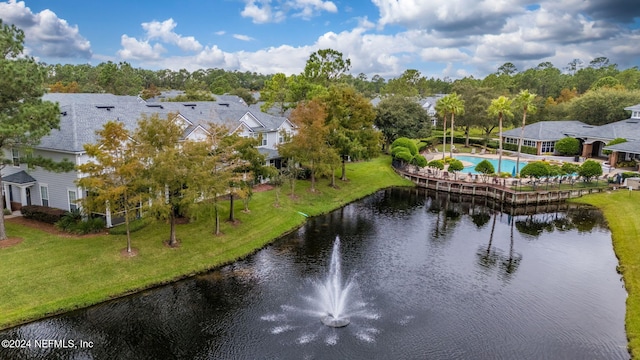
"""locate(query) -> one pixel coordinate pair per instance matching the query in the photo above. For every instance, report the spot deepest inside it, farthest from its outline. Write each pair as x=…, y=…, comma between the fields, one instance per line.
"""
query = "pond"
x=508, y=165
x=428, y=277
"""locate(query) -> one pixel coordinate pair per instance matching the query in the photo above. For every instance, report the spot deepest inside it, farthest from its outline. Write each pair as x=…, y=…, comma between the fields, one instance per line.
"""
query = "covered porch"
x=17, y=190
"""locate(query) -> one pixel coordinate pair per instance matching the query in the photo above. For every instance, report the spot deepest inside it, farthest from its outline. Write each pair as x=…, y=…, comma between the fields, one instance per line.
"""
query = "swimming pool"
x=508, y=165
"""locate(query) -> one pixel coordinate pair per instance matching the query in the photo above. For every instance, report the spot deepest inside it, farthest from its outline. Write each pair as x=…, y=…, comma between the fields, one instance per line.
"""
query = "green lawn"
x=621, y=209
x=46, y=274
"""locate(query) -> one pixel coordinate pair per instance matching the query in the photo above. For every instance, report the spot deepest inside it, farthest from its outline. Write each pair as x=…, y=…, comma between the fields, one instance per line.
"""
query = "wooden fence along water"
x=499, y=191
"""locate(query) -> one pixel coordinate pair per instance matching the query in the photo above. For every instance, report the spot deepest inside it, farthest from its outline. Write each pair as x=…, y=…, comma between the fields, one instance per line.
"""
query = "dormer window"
x=635, y=114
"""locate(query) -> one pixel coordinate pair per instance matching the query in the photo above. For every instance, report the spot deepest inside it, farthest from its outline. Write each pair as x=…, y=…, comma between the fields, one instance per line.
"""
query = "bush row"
x=42, y=213
x=525, y=149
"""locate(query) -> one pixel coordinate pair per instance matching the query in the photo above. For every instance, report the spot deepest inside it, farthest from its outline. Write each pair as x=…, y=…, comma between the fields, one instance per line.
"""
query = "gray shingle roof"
x=83, y=114
x=548, y=130
x=269, y=153
x=21, y=177
x=629, y=146
x=628, y=129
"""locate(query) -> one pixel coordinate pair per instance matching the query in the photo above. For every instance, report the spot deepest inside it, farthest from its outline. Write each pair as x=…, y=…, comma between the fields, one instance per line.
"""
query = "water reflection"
x=449, y=277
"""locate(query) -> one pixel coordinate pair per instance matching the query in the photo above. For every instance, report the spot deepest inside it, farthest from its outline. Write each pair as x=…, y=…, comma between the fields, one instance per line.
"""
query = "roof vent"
x=224, y=104
x=107, y=107
x=155, y=106
x=632, y=122
x=64, y=113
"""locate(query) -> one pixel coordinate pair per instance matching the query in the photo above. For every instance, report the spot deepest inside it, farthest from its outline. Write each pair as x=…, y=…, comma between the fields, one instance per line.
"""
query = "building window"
x=264, y=141
x=511, y=140
x=44, y=195
x=16, y=157
x=73, y=197
x=529, y=143
x=548, y=147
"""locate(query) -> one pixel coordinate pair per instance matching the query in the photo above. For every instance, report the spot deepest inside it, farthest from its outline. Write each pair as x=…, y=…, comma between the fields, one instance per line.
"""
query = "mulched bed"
x=10, y=242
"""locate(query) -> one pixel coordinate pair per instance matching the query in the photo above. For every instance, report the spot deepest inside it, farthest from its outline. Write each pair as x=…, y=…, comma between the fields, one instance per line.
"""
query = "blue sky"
x=439, y=38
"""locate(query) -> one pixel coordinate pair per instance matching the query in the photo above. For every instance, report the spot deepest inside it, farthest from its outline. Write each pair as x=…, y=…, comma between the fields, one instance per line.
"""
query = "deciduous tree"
x=400, y=116
x=309, y=145
x=350, y=119
x=166, y=166
x=113, y=174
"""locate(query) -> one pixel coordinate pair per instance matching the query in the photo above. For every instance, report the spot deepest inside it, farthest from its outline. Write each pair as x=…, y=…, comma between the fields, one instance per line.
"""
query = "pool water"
x=508, y=165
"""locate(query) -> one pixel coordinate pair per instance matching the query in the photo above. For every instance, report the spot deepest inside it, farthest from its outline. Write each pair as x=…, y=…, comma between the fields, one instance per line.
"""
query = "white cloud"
x=448, y=15
x=133, y=49
x=243, y=37
x=46, y=34
x=260, y=11
x=443, y=55
x=164, y=31
x=307, y=9
x=269, y=11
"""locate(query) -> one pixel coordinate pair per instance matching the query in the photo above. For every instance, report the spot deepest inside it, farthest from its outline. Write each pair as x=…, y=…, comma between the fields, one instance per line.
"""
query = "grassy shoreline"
x=47, y=275
x=620, y=208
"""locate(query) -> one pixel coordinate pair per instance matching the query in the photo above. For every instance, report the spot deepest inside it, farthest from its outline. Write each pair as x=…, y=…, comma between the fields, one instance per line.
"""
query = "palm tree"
x=524, y=100
x=442, y=110
x=454, y=105
x=500, y=107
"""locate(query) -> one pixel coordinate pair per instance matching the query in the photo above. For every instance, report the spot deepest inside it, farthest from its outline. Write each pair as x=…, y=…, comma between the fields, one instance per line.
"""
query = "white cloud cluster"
x=164, y=31
x=447, y=37
x=45, y=33
x=269, y=11
x=439, y=38
x=261, y=12
x=135, y=49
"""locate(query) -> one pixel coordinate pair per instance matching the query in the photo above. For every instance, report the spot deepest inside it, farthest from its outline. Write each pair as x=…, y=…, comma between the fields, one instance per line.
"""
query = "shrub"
x=485, y=167
x=629, y=174
x=72, y=222
x=405, y=143
x=437, y=164
x=570, y=168
x=589, y=169
x=624, y=164
x=420, y=161
x=525, y=149
x=568, y=146
x=42, y=213
x=536, y=169
x=456, y=165
x=69, y=220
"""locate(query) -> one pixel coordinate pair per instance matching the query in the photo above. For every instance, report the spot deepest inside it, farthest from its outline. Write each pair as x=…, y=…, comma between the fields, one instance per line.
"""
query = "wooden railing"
x=498, y=191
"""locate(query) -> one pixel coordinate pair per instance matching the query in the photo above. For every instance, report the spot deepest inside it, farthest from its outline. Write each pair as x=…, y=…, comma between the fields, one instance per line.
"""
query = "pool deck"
x=503, y=190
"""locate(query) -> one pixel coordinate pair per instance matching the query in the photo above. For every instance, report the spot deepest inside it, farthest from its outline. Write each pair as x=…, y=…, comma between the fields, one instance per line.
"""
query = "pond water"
x=429, y=278
x=508, y=165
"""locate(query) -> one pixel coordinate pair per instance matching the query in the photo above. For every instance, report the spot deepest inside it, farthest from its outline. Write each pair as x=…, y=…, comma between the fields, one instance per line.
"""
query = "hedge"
x=42, y=213
x=525, y=149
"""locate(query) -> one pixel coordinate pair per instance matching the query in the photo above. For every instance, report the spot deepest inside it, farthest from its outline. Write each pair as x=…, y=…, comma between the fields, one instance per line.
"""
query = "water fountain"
x=334, y=301
x=333, y=296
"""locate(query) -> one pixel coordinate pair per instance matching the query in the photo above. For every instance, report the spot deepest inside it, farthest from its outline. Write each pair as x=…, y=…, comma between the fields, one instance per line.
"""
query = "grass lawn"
x=47, y=274
x=621, y=209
